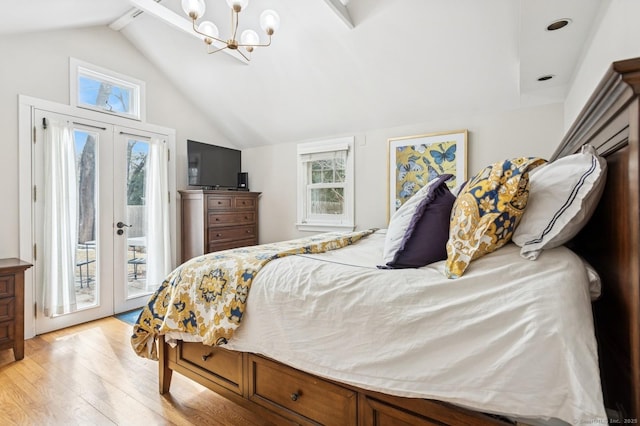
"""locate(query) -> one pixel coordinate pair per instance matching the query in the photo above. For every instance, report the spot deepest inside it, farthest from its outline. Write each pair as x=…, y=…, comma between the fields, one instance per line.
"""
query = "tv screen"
x=212, y=166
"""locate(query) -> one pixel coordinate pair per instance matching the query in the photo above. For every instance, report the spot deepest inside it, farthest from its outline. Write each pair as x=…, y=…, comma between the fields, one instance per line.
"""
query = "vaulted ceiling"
x=403, y=62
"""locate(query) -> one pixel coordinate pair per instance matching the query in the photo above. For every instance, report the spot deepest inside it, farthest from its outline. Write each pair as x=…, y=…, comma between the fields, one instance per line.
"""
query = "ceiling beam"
x=177, y=21
x=341, y=11
x=125, y=19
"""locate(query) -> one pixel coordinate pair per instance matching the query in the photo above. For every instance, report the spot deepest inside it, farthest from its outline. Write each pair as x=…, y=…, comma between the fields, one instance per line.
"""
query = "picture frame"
x=413, y=161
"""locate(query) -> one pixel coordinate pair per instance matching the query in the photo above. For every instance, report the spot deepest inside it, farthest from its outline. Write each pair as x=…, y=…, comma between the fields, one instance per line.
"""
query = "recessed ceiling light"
x=557, y=24
x=546, y=77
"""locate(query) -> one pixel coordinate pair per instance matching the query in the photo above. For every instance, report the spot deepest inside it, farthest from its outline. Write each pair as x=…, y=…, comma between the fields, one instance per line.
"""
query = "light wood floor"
x=89, y=375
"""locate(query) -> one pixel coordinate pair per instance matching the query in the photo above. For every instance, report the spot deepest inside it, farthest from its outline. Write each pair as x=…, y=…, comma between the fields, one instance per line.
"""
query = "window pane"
x=137, y=152
x=328, y=170
x=87, y=285
x=327, y=201
x=104, y=95
x=137, y=213
x=109, y=93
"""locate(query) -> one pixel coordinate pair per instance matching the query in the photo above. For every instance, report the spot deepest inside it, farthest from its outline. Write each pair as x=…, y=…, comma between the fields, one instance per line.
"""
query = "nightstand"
x=12, y=305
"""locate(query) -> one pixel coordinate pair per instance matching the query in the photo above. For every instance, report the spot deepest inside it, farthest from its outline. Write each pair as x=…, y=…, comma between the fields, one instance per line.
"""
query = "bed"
x=293, y=362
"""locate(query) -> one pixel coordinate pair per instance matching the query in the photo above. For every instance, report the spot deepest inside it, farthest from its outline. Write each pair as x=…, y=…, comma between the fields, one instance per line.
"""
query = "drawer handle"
x=218, y=235
x=217, y=219
x=246, y=218
x=219, y=202
x=248, y=232
x=295, y=396
x=207, y=356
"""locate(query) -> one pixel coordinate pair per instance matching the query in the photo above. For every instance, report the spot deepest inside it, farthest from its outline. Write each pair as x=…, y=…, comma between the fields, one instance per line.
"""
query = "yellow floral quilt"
x=206, y=295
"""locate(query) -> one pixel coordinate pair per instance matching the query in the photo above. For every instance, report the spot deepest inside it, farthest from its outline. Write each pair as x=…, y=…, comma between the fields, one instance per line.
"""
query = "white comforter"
x=511, y=336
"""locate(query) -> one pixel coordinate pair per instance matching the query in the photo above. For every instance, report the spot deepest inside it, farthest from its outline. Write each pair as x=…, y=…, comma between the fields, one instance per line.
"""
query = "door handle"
x=121, y=225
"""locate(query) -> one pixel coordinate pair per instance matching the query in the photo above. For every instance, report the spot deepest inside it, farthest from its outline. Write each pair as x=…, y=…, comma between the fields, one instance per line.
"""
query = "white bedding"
x=511, y=336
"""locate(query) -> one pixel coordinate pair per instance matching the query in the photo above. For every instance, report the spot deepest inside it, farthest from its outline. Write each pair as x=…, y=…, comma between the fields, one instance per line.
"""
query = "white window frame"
x=78, y=68
x=323, y=223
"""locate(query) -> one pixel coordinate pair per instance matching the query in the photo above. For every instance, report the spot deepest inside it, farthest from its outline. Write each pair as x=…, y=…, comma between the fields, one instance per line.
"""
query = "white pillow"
x=563, y=195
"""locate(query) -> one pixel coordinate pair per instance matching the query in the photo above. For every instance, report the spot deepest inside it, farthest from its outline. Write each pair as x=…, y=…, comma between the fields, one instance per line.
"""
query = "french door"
x=137, y=251
x=99, y=265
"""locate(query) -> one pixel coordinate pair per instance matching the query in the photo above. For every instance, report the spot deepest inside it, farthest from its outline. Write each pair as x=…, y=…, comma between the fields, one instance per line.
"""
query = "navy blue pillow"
x=425, y=240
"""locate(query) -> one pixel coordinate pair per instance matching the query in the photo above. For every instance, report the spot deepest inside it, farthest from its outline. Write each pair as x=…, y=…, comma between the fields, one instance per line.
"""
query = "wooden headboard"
x=610, y=122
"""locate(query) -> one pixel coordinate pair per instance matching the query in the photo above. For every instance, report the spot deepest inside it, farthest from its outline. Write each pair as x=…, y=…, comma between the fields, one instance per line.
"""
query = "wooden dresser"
x=12, y=305
x=217, y=220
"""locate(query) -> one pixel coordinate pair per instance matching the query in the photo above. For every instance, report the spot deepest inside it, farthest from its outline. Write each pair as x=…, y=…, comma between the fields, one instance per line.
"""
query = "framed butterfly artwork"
x=415, y=160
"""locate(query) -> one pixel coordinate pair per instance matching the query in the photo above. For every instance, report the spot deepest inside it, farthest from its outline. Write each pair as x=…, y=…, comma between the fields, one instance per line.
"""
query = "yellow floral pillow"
x=487, y=212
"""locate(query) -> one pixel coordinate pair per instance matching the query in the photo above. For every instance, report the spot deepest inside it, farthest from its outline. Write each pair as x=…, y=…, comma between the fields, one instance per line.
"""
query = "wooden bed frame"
x=610, y=122
x=610, y=242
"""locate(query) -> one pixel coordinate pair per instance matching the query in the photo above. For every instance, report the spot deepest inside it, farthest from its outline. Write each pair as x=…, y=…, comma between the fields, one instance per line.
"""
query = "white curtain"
x=157, y=202
x=60, y=219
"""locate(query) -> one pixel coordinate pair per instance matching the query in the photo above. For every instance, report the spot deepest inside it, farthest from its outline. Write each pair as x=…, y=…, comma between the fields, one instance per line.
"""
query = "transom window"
x=325, y=185
x=106, y=91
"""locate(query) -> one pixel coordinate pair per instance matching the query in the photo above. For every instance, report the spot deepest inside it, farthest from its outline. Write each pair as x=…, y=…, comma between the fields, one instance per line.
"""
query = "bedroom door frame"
x=26, y=110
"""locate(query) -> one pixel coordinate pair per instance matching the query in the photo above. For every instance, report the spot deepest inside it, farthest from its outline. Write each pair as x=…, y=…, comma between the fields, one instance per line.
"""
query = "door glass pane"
x=87, y=284
x=136, y=216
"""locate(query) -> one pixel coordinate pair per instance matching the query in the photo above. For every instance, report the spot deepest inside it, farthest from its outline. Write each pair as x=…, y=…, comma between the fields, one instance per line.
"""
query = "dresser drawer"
x=7, y=330
x=220, y=365
x=218, y=235
x=7, y=308
x=223, y=219
x=219, y=202
x=374, y=412
x=244, y=202
x=231, y=245
x=7, y=285
x=299, y=396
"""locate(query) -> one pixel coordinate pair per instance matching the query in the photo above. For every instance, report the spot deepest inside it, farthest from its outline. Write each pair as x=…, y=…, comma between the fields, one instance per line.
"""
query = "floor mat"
x=129, y=317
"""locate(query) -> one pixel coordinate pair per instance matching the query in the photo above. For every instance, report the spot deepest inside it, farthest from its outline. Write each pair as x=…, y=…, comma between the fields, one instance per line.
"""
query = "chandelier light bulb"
x=193, y=8
x=238, y=5
x=210, y=29
x=249, y=38
x=269, y=21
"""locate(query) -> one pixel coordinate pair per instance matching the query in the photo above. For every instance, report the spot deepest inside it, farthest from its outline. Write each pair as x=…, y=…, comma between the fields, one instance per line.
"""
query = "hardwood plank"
x=25, y=388
x=89, y=374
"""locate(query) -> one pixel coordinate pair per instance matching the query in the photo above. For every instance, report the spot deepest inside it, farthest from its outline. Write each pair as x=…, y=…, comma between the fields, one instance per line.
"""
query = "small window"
x=106, y=91
x=325, y=185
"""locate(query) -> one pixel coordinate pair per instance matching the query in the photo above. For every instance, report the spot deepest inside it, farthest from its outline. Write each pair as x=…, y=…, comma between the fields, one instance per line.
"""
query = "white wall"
x=37, y=65
x=492, y=137
x=617, y=37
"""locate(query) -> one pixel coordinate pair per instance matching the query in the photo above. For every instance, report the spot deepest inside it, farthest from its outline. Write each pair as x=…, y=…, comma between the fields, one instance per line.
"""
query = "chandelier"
x=249, y=39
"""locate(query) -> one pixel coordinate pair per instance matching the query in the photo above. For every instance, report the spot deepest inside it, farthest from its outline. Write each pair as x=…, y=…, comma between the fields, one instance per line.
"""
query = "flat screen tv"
x=212, y=166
